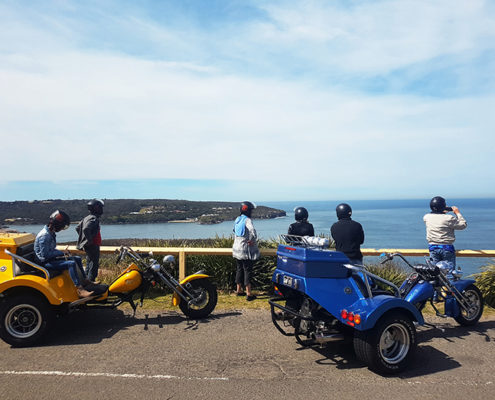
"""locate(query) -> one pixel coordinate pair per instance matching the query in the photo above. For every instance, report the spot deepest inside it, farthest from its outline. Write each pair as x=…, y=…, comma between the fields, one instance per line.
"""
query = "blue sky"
x=234, y=100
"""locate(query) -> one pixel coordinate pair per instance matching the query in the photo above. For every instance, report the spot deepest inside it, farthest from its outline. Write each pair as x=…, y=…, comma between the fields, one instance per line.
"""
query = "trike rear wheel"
x=388, y=347
x=24, y=319
x=205, y=299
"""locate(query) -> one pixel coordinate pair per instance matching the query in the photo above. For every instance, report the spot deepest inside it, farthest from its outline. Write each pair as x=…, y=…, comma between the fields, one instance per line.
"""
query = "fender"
x=463, y=284
x=176, y=298
x=377, y=306
x=54, y=292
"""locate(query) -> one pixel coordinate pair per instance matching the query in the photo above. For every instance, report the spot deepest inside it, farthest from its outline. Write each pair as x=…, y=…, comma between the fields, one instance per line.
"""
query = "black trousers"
x=244, y=269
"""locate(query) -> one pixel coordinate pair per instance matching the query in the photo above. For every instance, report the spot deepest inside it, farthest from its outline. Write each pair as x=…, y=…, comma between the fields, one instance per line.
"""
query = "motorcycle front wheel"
x=204, y=301
x=475, y=303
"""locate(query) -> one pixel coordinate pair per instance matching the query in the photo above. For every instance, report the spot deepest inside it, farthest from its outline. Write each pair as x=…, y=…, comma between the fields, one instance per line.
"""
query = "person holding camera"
x=440, y=230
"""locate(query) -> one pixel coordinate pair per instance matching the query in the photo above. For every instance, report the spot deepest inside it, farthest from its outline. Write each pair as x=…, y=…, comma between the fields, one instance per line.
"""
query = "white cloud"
x=87, y=113
x=379, y=36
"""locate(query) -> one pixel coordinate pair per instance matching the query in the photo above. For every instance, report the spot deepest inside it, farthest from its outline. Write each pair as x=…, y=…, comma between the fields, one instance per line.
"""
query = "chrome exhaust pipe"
x=335, y=337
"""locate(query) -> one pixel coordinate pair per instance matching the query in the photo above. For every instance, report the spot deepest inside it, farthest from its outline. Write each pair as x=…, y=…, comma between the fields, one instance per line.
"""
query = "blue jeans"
x=73, y=264
x=439, y=253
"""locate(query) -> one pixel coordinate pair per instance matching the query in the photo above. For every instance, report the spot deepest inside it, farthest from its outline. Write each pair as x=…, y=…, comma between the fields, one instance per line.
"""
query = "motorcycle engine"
x=306, y=310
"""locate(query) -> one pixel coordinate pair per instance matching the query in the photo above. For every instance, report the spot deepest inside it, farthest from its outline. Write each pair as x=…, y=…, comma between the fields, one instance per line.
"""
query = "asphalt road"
x=108, y=354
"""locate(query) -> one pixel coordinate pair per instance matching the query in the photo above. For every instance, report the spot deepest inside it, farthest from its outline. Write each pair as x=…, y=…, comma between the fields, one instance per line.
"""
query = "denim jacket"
x=45, y=245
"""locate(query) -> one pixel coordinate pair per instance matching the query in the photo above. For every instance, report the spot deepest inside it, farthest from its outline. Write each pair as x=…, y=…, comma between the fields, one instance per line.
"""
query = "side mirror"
x=169, y=259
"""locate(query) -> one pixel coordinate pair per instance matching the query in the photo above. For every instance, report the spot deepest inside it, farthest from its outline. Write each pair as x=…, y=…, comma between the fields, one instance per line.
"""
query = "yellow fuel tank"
x=128, y=280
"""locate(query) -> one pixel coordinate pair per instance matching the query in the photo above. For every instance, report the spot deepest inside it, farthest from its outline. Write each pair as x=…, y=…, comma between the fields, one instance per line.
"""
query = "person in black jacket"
x=89, y=238
x=301, y=227
x=348, y=234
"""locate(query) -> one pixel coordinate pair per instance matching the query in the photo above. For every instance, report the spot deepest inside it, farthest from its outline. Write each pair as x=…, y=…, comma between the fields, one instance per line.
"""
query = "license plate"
x=288, y=281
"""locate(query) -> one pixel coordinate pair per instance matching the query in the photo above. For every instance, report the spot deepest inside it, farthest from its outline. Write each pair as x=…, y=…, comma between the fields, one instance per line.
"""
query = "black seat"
x=22, y=268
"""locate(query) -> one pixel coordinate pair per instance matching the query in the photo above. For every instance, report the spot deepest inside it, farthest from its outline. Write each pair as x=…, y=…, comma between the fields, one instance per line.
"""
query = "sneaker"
x=250, y=297
x=81, y=292
x=240, y=294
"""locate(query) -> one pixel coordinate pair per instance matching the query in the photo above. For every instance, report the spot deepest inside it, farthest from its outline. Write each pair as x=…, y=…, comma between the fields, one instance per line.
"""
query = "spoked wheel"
x=475, y=303
x=389, y=346
x=24, y=320
x=204, y=301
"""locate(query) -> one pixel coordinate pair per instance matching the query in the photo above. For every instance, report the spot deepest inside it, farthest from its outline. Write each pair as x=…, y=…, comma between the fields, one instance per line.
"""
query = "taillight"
x=351, y=318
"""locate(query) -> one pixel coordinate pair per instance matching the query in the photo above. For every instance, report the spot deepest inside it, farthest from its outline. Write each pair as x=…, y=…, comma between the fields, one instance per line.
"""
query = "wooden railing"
x=183, y=252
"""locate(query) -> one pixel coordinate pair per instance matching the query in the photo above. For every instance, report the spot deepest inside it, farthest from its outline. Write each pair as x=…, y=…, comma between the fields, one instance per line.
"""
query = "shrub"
x=485, y=280
x=221, y=268
x=390, y=271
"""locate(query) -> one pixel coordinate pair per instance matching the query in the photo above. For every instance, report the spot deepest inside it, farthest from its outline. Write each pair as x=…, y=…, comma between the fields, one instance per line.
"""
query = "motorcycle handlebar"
x=390, y=256
x=387, y=256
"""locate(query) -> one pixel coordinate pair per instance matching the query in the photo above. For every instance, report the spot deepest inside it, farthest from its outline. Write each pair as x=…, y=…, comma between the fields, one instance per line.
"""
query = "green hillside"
x=130, y=211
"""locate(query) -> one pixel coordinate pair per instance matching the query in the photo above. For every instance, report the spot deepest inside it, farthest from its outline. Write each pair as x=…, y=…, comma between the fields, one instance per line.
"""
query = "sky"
x=236, y=100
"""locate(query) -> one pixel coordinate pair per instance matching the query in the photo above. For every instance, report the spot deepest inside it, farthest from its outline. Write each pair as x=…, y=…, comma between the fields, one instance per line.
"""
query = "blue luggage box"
x=312, y=263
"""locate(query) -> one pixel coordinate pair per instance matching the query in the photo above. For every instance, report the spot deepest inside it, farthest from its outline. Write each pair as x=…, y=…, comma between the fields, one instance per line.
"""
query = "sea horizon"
x=386, y=223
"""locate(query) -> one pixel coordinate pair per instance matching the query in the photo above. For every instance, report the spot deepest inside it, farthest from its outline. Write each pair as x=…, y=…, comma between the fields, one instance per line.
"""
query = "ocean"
x=386, y=223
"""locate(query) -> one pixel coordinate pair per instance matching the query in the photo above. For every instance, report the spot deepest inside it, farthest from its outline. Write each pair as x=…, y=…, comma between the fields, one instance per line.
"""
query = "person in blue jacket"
x=45, y=247
x=245, y=249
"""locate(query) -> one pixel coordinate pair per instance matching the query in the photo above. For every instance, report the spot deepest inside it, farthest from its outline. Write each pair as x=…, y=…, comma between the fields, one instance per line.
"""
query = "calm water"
x=387, y=224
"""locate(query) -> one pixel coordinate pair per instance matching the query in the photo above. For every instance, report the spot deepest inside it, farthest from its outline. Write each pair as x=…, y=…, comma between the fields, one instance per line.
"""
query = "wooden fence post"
x=182, y=265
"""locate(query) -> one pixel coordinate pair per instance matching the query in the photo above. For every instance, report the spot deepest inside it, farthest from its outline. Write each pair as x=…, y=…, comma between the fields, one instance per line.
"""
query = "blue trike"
x=321, y=298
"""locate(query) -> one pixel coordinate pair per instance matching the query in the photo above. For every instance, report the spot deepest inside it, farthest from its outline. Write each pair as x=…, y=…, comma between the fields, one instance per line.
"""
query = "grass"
x=229, y=301
x=226, y=301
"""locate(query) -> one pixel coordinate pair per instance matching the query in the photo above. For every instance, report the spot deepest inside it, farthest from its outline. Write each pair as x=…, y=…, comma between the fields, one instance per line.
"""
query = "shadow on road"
x=93, y=326
x=451, y=332
x=427, y=360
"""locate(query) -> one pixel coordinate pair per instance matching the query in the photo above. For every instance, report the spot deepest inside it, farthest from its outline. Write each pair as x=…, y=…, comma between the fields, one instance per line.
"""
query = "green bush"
x=390, y=271
x=485, y=280
x=221, y=268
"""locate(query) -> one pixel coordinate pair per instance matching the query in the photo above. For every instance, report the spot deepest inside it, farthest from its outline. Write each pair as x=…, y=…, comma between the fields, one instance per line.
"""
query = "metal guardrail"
x=183, y=252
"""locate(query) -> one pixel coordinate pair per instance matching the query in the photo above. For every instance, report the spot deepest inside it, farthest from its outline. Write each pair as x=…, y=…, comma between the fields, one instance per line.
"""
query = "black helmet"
x=247, y=207
x=59, y=220
x=438, y=204
x=95, y=206
x=300, y=214
x=343, y=211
